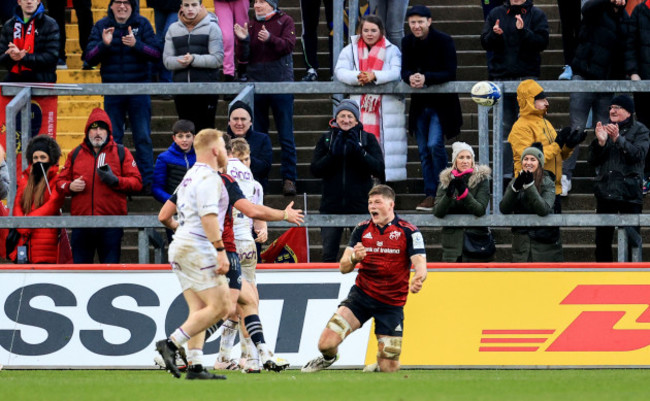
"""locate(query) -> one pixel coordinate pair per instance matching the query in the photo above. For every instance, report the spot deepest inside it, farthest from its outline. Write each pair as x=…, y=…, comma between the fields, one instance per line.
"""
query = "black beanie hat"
x=44, y=143
x=625, y=102
x=240, y=105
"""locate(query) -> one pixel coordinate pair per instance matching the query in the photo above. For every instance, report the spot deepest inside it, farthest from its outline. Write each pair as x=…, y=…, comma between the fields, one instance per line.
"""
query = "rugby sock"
x=212, y=329
x=195, y=356
x=254, y=328
x=179, y=337
x=248, y=350
x=227, y=339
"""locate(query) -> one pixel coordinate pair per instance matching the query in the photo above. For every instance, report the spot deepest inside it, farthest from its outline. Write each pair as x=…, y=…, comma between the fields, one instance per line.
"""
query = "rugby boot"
x=373, y=367
x=271, y=362
x=226, y=365
x=181, y=360
x=318, y=364
x=198, y=372
x=167, y=351
x=251, y=366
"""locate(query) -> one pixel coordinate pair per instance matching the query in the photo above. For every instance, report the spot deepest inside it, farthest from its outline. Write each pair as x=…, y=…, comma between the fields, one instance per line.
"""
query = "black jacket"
x=46, y=49
x=637, y=49
x=517, y=52
x=347, y=178
x=619, y=165
x=435, y=58
x=601, y=41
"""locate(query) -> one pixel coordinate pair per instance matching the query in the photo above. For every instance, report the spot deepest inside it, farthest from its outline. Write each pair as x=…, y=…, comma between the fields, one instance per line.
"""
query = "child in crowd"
x=173, y=163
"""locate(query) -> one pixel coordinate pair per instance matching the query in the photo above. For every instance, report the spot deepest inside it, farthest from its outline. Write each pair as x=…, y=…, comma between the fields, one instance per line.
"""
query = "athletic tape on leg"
x=339, y=325
x=392, y=348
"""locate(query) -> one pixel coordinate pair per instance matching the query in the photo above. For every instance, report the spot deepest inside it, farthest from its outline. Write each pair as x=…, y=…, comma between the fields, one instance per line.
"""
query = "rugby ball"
x=486, y=93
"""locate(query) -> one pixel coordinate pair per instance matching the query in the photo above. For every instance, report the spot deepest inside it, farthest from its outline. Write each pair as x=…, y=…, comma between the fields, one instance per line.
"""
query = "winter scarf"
x=369, y=60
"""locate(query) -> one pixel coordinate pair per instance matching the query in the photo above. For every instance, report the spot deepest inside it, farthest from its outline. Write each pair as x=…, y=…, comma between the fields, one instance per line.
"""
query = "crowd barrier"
x=571, y=315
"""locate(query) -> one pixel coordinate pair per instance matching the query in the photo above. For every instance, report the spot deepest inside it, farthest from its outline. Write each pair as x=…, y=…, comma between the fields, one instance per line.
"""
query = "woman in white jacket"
x=370, y=59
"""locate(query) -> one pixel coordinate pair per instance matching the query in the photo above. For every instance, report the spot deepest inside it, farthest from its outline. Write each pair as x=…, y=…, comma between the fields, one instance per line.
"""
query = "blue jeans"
x=431, y=146
x=138, y=108
x=282, y=107
x=106, y=241
x=162, y=20
x=580, y=103
x=393, y=13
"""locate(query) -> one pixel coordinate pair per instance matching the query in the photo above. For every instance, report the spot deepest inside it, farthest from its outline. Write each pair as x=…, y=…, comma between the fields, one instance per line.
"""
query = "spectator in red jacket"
x=36, y=197
x=98, y=174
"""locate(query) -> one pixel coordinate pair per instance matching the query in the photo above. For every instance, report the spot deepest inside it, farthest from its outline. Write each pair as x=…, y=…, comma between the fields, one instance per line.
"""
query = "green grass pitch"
x=407, y=385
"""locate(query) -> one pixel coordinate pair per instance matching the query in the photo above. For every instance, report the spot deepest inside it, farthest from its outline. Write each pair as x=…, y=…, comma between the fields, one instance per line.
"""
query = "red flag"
x=290, y=247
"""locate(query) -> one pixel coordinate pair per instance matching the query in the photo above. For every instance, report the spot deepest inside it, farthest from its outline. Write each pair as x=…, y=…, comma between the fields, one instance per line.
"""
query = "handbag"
x=478, y=245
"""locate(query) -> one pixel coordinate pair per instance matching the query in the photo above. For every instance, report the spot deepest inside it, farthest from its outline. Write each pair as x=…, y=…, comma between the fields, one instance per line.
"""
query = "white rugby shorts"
x=247, y=252
x=195, y=263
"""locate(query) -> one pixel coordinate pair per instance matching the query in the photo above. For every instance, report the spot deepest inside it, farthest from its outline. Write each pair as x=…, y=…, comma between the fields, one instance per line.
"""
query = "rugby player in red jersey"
x=384, y=248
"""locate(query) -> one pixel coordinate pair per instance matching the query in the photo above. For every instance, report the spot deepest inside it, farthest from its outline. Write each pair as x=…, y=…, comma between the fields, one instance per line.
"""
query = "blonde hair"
x=205, y=138
x=240, y=147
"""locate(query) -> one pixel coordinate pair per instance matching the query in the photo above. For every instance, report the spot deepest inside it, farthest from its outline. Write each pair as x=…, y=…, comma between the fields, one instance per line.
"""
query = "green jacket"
x=475, y=203
x=533, y=244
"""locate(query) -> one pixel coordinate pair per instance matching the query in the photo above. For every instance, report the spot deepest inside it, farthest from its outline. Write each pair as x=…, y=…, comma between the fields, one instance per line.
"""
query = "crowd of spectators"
x=602, y=41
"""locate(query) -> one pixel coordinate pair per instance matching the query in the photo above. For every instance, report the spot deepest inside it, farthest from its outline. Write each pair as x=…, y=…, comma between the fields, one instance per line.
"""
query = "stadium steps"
x=460, y=18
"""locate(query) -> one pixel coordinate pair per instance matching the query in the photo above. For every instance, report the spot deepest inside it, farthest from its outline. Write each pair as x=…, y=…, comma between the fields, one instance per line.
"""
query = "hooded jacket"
x=169, y=171
x=204, y=42
x=601, y=41
x=475, y=203
x=121, y=63
x=516, y=53
x=42, y=61
x=393, y=139
x=637, y=48
x=97, y=198
x=346, y=178
x=532, y=126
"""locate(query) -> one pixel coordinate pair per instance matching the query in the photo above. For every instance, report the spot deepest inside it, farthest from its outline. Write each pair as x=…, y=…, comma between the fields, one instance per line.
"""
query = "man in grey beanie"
x=345, y=158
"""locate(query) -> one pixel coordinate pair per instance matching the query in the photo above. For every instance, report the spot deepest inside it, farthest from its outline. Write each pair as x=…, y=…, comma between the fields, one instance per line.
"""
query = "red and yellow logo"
x=532, y=318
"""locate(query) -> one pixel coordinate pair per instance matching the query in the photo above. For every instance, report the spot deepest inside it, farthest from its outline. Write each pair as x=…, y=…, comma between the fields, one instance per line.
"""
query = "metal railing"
x=23, y=96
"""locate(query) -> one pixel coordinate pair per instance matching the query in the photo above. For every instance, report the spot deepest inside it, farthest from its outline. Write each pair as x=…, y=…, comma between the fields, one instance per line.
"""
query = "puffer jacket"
x=121, y=63
x=43, y=242
x=270, y=61
x=637, y=49
x=532, y=126
x=42, y=61
x=601, y=41
x=516, y=52
x=393, y=138
x=346, y=179
x=619, y=165
x=204, y=42
x=475, y=203
x=169, y=171
x=97, y=198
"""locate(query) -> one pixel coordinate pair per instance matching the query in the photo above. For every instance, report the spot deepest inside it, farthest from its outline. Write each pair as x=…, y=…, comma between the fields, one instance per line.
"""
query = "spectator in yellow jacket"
x=532, y=126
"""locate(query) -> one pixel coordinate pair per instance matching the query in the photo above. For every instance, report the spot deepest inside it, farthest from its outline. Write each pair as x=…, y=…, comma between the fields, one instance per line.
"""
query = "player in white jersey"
x=239, y=169
x=198, y=256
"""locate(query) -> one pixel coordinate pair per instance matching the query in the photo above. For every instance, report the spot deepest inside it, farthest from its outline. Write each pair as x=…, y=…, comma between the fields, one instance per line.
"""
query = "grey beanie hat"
x=458, y=147
x=273, y=3
x=349, y=105
x=536, y=150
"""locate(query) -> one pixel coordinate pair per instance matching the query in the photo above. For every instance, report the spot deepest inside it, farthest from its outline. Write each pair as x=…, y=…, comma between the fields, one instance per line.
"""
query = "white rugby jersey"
x=197, y=195
x=252, y=190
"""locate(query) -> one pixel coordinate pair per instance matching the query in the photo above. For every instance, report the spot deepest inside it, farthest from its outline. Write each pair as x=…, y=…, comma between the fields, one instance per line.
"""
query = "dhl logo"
x=590, y=331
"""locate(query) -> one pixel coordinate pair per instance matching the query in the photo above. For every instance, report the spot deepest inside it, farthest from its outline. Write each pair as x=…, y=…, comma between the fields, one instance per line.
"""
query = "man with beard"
x=97, y=175
x=124, y=44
